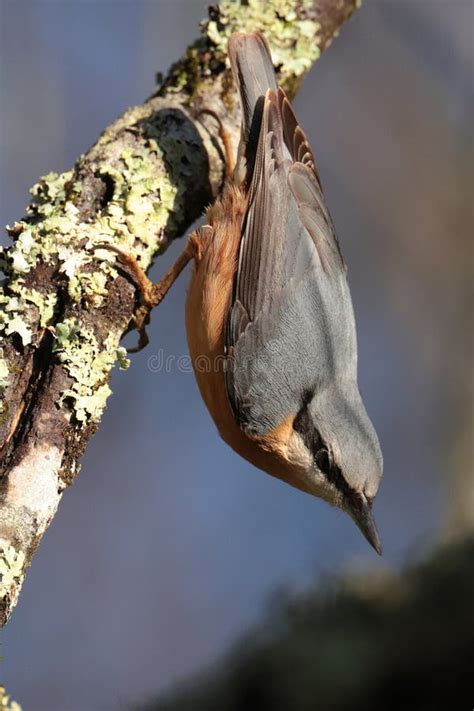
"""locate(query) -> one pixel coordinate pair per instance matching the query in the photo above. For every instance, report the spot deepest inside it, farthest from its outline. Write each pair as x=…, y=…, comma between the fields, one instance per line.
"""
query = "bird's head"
x=334, y=453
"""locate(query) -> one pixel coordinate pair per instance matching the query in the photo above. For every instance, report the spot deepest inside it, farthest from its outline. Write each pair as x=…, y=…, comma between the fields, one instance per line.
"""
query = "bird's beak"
x=359, y=509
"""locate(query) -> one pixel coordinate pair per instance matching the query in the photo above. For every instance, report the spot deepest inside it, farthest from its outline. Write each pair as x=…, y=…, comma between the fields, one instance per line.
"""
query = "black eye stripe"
x=322, y=460
x=334, y=475
x=303, y=424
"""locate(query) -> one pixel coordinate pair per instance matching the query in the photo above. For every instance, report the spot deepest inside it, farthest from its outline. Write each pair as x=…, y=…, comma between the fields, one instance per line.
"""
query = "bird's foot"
x=151, y=294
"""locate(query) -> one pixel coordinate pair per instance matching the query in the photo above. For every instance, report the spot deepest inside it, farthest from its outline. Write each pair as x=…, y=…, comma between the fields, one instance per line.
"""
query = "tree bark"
x=65, y=304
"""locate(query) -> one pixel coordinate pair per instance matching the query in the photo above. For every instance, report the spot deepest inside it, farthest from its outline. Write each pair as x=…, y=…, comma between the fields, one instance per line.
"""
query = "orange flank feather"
x=207, y=308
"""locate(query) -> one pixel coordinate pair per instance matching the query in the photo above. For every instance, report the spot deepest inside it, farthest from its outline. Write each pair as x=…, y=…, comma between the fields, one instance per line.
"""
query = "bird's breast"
x=207, y=308
x=208, y=302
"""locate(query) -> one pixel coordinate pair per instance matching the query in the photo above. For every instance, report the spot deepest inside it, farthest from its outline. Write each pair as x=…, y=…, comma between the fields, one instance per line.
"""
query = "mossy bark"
x=66, y=304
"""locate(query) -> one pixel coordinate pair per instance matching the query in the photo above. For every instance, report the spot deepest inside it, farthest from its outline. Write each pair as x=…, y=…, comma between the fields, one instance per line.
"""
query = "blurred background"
x=169, y=548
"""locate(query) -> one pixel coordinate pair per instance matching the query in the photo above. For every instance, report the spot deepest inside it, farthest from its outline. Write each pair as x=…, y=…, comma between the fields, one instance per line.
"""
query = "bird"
x=269, y=318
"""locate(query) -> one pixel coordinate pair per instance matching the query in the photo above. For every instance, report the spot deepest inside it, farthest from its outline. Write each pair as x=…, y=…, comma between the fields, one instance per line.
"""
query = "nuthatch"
x=269, y=299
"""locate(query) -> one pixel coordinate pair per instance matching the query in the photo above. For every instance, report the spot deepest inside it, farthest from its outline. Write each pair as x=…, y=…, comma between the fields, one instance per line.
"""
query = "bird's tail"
x=254, y=74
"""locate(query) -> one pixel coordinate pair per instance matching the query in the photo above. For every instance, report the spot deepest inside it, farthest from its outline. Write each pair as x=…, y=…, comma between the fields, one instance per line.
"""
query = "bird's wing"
x=290, y=282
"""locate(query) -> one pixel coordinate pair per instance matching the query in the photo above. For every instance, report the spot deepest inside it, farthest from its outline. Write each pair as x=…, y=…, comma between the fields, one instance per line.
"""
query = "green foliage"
x=362, y=643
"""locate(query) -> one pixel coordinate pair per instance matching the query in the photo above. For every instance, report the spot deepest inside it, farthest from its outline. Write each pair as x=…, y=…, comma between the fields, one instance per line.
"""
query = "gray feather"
x=298, y=327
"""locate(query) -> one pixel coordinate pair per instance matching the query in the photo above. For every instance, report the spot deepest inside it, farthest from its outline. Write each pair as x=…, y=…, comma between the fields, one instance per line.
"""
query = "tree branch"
x=65, y=306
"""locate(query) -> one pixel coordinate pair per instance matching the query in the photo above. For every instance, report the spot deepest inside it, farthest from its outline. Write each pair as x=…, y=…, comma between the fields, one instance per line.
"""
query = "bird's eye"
x=323, y=461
